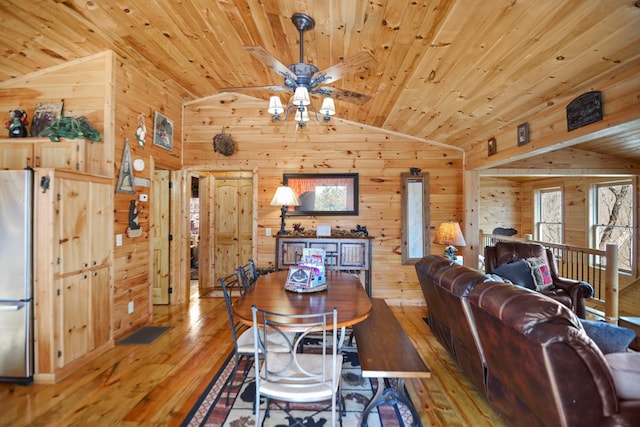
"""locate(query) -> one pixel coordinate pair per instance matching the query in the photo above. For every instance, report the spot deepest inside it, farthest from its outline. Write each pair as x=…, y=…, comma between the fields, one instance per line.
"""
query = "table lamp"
x=284, y=197
x=449, y=234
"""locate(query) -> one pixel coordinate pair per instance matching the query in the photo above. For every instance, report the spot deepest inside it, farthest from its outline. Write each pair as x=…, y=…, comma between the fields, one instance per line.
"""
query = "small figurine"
x=415, y=171
x=297, y=227
x=360, y=230
x=17, y=123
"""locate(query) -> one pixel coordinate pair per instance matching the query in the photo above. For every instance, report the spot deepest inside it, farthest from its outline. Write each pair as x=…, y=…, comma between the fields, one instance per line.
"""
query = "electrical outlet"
x=118, y=239
x=130, y=307
x=267, y=231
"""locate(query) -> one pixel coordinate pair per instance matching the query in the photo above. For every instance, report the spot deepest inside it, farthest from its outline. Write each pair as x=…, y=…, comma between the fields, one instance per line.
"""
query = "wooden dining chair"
x=295, y=376
x=242, y=334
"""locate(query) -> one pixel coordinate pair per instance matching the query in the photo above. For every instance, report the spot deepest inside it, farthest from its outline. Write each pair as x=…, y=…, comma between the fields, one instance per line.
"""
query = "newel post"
x=611, y=285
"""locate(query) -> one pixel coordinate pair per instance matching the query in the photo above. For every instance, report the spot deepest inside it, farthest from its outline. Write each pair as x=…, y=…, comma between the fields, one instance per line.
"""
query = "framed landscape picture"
x=163, y=131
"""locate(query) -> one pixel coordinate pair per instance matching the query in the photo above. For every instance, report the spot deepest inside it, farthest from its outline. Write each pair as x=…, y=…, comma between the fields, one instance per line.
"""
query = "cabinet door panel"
x=353, y=255
x=16, y=155
x=73, y=210
x=74, y=336
x=101, y=228
x=291, y=253
x=100, y=307
x=67, y=154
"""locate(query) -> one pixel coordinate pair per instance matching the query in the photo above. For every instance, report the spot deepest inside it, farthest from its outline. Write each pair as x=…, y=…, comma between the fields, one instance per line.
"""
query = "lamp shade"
x=449, y=233
x=302, y=116
x=301, y=96
x=328, y=107
x=275, y=105
x=285, y=196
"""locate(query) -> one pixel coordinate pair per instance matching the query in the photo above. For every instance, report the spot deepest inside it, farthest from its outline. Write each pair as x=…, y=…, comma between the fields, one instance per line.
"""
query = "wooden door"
x=159, y=232
x=226, y=227
x=233, y=223
x=206, y=277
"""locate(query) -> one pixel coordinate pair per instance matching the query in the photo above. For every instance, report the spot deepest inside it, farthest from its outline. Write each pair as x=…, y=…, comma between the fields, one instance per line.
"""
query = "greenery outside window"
x=549, y=215
x=612, y=220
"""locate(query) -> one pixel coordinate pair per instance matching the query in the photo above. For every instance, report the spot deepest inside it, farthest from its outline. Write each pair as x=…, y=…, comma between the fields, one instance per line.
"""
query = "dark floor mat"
x=144, y=335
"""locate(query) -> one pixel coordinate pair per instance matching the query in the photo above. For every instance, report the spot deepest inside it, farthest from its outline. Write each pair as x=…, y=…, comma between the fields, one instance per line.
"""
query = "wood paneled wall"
x=576, y=206
x=500, y=204
x=379, y=157
x=139, y=91
x=84, y=86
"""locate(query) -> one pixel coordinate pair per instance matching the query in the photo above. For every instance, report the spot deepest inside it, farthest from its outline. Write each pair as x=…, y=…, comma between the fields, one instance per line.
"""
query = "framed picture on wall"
x=44, y=115
x=163, y=131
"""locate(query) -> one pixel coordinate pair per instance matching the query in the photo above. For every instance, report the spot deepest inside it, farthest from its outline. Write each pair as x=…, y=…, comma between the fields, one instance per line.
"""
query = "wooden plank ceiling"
x=446, y=69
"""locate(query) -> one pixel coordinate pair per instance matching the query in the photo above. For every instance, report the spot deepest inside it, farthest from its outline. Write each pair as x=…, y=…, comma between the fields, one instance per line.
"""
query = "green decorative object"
x=71, y=128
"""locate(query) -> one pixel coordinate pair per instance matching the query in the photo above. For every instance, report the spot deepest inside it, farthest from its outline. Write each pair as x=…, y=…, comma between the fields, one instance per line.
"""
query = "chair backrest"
x=230, y=284
x=248, y=274
x=292, y=367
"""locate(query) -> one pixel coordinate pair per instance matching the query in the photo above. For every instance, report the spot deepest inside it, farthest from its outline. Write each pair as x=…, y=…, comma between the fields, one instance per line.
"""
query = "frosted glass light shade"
x=301, y=96
x=328, y=107
x=302, y=116
x=275, y=106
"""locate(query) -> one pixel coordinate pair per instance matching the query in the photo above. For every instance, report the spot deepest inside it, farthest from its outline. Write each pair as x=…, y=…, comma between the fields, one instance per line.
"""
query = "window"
x=613, y=220
x=549, y=215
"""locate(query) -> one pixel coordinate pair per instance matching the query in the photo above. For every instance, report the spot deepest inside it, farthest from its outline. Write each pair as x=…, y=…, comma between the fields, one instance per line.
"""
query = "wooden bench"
x=385, y=351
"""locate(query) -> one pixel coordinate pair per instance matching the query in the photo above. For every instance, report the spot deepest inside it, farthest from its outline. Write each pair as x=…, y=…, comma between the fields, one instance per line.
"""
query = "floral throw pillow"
x=541, y=273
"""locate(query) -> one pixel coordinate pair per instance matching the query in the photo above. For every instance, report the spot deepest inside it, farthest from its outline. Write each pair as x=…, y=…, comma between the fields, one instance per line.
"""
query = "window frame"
x=538, y=212
x=593, y=224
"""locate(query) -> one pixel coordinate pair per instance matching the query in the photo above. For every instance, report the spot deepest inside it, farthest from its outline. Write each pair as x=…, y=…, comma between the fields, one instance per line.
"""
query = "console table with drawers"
x=343, y=253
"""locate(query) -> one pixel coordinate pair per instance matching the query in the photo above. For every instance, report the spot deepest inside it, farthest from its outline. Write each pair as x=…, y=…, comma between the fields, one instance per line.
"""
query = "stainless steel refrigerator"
x=16, y=275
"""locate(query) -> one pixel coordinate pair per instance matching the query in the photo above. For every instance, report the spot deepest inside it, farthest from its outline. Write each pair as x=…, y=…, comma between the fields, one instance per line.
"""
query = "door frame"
x=180, y=270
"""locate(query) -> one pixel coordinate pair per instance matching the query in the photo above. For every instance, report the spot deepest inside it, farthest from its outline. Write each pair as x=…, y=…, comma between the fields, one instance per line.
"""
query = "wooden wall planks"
x=276, y=148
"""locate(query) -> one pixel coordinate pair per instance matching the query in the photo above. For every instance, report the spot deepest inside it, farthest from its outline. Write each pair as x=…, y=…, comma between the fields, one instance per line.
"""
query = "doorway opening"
x=194, y=226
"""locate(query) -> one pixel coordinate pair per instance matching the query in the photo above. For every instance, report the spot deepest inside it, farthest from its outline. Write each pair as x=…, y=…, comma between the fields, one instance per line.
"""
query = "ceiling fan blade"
x=343, y=95
x=269, y=60
x=355, y=64
x=255, y=88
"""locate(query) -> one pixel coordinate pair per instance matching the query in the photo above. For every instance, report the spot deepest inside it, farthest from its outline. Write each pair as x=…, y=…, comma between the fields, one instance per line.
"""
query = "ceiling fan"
x=303, y=75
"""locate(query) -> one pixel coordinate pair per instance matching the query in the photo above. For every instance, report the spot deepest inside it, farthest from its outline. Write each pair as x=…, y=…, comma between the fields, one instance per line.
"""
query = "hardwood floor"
x=157, y=384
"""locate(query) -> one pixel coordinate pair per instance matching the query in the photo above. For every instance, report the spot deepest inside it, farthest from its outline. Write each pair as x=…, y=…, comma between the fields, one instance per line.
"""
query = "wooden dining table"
x=344, y=292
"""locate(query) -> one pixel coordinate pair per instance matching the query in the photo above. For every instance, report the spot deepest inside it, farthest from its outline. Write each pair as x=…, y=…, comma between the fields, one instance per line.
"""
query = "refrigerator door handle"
x=11, y=307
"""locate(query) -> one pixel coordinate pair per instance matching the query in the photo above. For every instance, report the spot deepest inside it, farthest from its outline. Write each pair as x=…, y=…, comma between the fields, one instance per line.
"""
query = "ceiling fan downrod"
x=302, y=22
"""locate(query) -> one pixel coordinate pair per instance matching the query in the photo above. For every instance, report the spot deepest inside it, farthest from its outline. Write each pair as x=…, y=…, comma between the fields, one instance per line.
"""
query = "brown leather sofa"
x=527, y=353
x=569, y=292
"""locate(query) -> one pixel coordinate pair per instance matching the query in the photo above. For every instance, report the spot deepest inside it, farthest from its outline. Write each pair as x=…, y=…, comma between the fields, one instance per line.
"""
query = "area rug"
x=144, y=335
x=211, y=408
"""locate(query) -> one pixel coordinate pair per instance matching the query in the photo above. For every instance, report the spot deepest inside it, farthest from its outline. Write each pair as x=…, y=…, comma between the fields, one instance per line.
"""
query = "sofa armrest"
x=577, y=290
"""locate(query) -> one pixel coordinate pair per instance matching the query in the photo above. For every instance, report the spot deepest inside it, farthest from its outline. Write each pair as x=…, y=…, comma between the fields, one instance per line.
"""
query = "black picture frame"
x=329, y=194
x=523, y=134
x=492, y=146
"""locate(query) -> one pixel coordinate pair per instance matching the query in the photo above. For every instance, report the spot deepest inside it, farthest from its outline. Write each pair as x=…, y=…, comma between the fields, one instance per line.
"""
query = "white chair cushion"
x=299, y=387
x=275, y=342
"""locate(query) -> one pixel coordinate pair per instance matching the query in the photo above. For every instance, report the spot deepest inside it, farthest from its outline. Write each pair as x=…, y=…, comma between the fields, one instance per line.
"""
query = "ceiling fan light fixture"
x=275, y=106
x=328, y=107
x=301, y=96
x=302, y=115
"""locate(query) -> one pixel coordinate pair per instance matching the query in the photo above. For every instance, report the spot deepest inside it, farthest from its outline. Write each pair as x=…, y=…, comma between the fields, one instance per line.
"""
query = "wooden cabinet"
x=343, y=253
x=21, y=153
x=73, y=270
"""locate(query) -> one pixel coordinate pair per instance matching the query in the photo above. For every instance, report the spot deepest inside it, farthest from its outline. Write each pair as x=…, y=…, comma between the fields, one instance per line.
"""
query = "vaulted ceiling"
x=447, y=70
